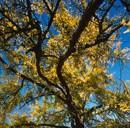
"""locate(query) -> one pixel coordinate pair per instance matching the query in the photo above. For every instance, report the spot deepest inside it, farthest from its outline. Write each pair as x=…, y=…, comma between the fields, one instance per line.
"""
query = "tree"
x=55, y=57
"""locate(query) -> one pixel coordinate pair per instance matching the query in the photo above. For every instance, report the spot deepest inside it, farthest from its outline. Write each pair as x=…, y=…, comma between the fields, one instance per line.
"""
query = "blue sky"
x=125, y=40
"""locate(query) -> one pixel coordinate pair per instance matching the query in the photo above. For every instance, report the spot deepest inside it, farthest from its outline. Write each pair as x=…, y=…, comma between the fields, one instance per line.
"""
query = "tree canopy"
x=55, y=57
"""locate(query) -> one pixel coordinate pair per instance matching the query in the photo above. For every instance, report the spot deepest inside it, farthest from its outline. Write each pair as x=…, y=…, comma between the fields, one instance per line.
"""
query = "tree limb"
x=86, y=17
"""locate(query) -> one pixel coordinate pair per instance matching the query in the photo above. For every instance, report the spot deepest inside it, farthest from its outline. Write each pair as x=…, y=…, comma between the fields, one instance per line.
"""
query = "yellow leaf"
x=10, y=24
x=14, y=27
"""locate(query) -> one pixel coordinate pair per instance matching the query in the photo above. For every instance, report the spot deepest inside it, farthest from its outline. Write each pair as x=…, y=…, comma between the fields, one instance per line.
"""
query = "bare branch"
x=48, y=6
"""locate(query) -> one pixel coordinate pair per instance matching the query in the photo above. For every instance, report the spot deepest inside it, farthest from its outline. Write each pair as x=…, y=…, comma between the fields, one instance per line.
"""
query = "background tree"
x=55, y=57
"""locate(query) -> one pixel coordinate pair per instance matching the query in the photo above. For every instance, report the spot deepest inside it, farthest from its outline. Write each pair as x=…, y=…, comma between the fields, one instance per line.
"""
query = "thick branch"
x=86, y=17
x=38, y=49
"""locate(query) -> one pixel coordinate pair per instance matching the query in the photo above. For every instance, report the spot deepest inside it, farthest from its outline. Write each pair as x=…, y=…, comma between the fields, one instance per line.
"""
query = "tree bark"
x=76, y=121
x=79, y=124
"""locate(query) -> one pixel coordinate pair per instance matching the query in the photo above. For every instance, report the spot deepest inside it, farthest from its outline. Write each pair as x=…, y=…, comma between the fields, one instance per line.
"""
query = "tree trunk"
x=78, y=123
x=76, y=119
